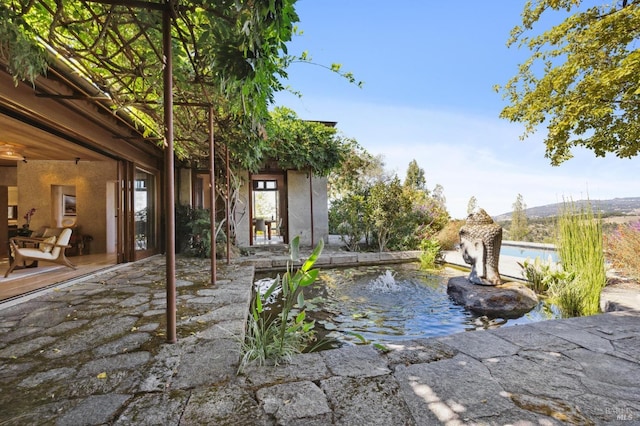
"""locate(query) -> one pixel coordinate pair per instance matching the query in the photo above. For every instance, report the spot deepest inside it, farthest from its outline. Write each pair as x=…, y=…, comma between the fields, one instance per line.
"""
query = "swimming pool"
x=530, y=252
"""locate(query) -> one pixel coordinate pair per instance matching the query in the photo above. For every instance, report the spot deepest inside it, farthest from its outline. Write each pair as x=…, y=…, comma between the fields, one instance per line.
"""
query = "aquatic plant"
x=545, y=276
x=278, y=338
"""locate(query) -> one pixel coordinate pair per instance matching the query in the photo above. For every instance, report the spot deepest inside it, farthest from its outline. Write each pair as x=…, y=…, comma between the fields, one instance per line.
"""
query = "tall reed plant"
x=277, y=338
x=581, y=252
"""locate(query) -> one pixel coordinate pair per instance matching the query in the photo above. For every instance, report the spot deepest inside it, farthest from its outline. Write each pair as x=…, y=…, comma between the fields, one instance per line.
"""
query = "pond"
x=383, y=304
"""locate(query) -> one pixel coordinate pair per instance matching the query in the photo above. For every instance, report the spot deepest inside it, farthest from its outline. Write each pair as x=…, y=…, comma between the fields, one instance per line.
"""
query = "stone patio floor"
x=94, y=353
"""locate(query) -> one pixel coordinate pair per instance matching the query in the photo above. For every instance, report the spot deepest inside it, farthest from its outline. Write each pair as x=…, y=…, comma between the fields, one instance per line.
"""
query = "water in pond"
x=388, y=303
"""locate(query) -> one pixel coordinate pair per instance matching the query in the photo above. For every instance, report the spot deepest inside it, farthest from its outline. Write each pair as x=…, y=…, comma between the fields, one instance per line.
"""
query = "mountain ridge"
x=627, y=206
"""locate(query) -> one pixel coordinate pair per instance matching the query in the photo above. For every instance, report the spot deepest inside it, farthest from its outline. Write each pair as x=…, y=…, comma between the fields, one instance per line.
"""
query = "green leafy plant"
x=431, y=254
x=544, y=275
x=193, y=231
x=278, y=337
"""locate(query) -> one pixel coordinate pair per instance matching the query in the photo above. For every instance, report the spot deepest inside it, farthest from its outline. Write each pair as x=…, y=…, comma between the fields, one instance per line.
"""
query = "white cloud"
x=472, y=155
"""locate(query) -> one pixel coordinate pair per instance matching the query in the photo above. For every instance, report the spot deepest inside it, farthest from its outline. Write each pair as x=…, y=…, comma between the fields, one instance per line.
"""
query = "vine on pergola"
x=230, y=54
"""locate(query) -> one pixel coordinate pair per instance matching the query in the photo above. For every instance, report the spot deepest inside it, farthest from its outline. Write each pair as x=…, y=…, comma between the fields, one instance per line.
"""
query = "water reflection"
x=398, y=302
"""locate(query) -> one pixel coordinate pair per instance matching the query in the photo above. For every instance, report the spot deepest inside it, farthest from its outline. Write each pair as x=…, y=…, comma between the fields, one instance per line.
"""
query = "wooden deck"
x=24, y=281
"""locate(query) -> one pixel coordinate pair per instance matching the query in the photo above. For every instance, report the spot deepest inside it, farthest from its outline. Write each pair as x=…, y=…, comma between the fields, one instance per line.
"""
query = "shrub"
x=449, y=236
x=193, y=231
x=623, y=246
x=431, y=254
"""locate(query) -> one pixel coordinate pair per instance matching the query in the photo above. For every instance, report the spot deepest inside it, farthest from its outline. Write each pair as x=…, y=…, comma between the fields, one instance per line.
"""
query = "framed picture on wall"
x=69, y=205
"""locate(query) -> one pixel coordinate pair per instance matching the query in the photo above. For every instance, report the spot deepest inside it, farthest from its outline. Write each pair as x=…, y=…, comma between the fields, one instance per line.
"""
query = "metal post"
x=311, y=204
x=212, y=186
x=227, y=202
x=169, y=177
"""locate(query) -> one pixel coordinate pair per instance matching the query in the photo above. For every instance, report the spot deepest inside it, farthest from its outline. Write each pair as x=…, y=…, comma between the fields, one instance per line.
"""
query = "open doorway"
x=268, y=210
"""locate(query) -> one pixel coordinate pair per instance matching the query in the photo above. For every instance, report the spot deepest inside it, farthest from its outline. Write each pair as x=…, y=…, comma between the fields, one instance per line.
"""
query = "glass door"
x=145, y=213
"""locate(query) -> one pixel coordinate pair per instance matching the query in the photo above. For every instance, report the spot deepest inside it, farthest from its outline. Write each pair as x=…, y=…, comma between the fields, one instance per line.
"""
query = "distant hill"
x=615, y=207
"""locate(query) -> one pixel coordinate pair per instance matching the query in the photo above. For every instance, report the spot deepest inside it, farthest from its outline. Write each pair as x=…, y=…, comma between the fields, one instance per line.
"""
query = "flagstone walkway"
x=94, y=353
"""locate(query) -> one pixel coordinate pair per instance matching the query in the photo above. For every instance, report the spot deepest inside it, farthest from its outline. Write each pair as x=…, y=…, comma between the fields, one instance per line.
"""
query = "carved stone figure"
x=480, y=241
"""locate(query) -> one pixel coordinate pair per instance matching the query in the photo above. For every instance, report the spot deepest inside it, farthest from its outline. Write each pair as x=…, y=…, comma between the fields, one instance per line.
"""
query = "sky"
x=429, y=69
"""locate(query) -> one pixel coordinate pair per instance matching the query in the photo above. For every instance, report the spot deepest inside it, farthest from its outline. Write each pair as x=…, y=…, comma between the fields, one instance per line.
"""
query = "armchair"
x=50, y=250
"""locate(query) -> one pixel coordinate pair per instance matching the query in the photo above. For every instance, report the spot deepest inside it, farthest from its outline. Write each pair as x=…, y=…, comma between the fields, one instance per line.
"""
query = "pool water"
x=528, y=252
x=383, y=304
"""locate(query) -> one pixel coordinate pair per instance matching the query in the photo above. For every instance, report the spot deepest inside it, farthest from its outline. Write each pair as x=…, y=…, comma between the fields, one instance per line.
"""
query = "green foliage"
x=346, y=218
x=357, y=172
x=232, y=55
x=519, y=227
x=546, y=276
x=27, y=59
x=193, y=231
x=431, y=255
x=387, y=207
x=396, y=216
x=289, y=333
x=582, y=79
x=581, y=251
x=415, y=177
x=300, y=144
x=623, y=246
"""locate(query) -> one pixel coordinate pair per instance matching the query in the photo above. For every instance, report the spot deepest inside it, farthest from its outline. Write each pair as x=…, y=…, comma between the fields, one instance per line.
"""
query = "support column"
x=169, y=178
x=228, y=214
x=212, y=186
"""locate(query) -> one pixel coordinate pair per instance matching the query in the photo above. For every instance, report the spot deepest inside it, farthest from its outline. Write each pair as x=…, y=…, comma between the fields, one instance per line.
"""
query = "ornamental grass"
x=581, y=251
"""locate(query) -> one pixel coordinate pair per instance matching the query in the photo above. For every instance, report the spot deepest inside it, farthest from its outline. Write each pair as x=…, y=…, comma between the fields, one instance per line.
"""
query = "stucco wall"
x=299, y=209
x=242, y=213
x=8, y=176
x=299, y=202
x=35, y=180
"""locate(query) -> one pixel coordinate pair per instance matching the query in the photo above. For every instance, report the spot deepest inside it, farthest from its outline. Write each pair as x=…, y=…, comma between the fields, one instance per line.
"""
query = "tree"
x=472, y=205
x=357, y=172
x=519, y=226
x=582, y=79
x=415, y=176
x=438, y=196
x=230, y=55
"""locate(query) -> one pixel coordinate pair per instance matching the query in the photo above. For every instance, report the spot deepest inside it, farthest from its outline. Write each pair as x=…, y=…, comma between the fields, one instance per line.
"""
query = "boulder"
x=506, y=300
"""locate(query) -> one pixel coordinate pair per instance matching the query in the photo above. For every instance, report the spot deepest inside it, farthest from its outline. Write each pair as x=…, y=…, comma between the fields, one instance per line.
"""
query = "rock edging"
x=507, y=300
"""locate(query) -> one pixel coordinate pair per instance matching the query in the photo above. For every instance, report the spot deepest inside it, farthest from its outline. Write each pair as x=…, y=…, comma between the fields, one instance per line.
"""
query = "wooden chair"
x=37, y=249
x=260, y=226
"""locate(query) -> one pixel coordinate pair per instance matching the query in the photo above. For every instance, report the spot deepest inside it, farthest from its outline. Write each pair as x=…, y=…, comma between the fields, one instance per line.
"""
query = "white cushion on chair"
x=36, y=253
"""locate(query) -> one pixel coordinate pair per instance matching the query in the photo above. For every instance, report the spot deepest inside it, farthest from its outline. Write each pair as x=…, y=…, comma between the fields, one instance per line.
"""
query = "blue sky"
x=428, y=69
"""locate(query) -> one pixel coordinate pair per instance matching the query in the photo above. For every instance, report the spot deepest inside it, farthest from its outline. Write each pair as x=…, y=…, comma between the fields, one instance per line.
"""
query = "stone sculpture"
x=480, y=241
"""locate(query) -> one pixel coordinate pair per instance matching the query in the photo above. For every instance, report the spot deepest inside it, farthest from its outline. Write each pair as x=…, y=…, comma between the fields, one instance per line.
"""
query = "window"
x=265, y=185
x=144, y=211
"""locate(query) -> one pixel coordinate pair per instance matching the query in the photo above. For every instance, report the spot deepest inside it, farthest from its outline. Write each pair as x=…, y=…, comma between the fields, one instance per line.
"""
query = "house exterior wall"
x=299, y=209
x=300, y=213
x=90, y=181
x=241, y=214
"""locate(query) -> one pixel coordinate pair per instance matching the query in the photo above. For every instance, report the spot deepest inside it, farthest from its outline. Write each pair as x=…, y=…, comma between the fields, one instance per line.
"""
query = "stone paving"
x=94, y=353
